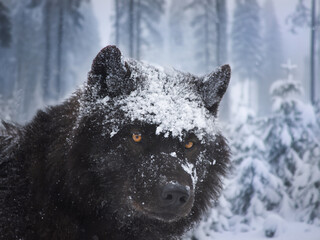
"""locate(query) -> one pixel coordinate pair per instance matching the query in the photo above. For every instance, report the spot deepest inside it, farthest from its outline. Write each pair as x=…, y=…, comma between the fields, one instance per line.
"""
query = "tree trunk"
x=218, y=28
x=59, y=51
x=206, y=38
x=117, y=21
x=47, y=72
x=131, y=26
x=318, y=54
x=222, y=51
x=138, y=30
x=313, y=52
x=221, y=32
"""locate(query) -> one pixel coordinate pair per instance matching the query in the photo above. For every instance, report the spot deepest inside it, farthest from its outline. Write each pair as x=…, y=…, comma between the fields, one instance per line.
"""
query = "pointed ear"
x=109, y=74
x=213, y=86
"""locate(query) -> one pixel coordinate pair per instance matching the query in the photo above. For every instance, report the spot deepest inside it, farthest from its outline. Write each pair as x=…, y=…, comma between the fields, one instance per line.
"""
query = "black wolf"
x=136, y=153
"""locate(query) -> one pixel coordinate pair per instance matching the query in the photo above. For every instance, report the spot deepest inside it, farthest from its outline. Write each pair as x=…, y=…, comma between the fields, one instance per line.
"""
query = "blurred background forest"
x=271, y=110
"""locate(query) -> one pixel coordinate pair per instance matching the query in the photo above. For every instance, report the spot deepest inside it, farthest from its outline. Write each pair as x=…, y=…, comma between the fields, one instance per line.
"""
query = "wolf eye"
x=136, y=137
x=189, y=145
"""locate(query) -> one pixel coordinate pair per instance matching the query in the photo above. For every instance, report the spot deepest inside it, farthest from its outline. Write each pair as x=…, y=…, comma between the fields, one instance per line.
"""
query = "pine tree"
x=9, y=106
x=216, y=220
x=272, y=52
x=301, y=17
x=222, y=38
x=317, y=111
x=176, y=23
x=69, y=17
x=5, y=26
x=254, y=190
x=136, y=25
x=205, y=22
x=306, y=185
x=59, y=16
x=79, y=46
x=246, y=48
x=293, y=139
x=222, y=47
x=246, y=39
x=26, y=60
x=6, y=84
x=180, y=51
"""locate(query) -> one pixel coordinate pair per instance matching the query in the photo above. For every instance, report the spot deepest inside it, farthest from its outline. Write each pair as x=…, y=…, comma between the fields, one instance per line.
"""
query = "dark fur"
x=61, y=179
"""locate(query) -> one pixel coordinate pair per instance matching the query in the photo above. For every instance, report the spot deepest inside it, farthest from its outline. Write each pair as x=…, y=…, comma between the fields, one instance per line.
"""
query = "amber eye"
x=136, y=137
x=188, y=145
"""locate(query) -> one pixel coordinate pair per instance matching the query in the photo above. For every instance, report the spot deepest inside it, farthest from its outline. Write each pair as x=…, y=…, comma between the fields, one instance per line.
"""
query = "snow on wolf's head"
x=154, y=133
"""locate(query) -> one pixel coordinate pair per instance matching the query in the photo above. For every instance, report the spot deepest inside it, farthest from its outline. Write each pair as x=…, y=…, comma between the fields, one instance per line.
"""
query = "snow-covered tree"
x=216, y=220
x=5, y=26
x=293, y=140
x=252, y=192
x=254, y=189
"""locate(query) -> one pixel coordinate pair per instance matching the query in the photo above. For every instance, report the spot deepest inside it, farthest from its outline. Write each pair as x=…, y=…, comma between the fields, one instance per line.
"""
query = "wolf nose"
x=174, y=195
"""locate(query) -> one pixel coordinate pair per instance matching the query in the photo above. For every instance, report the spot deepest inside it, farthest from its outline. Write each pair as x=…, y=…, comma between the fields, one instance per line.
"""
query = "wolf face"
x=153, y=134
x=136, y=153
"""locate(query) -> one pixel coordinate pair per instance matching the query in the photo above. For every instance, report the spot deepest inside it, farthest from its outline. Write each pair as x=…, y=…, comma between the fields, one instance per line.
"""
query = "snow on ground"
x=291, y=231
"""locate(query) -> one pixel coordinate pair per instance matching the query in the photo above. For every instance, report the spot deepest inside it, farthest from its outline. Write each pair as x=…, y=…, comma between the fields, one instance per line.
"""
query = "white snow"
x=274, y=226
x=289, y=231
x=169, y=101
x=173, y=154
x=191, y=170
x=163, y=97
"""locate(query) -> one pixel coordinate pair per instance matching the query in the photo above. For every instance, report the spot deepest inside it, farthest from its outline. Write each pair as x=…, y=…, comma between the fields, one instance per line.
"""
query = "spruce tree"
x=293, y=140
x=254, y=189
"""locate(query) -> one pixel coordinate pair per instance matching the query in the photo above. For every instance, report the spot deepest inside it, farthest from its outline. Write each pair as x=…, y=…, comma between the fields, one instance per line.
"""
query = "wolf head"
x=150, y=140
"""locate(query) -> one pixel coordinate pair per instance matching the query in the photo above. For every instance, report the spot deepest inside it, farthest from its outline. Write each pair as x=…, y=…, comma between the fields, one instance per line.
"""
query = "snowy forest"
x=271, y=112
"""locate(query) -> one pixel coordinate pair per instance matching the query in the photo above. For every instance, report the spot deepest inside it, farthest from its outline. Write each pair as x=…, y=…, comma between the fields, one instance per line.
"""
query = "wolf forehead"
x=174, y=101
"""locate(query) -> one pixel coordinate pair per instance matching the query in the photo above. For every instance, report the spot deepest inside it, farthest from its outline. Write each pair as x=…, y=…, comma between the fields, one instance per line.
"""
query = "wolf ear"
x=109, y=74
x=213, y=86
